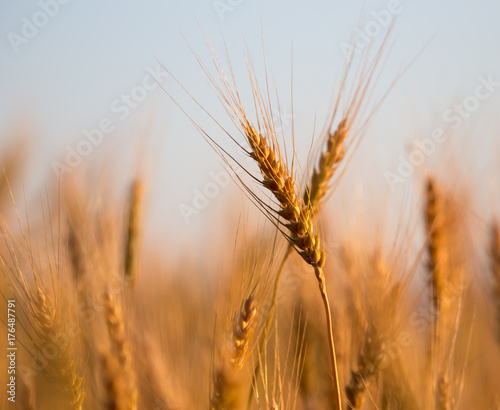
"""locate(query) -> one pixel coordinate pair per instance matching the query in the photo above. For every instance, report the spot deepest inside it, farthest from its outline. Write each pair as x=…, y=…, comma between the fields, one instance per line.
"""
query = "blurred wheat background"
x=241, y=205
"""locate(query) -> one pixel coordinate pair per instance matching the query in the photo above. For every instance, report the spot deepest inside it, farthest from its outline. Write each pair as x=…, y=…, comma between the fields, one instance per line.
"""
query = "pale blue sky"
x=89, y=53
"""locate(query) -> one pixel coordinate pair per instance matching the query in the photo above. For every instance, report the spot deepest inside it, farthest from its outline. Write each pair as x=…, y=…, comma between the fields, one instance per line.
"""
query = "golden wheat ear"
x=49, y=323
x=120, y=347
x=229, y=382
x=287, y=211
x=437, y=247
x=380, y=318
x=449, y=269
x=134, y=229
x=352, y=112
x=44, y=300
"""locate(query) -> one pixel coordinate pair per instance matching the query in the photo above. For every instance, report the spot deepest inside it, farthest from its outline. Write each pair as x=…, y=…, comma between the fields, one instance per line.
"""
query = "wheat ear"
x=332, y=156
x=278, y=180
x=436, y=231
x=76, y=255
x=370, y=358
x=292, y=213
x=298, y=219
x=49, y=323
x=328, y=163
x=313, y=195
x=227, y=384
x=133, y=230
x=438, y=248
x=120, y=346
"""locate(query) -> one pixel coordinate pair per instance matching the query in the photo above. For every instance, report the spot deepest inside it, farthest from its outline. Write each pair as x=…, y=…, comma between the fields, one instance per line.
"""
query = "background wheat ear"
x=450, y=269
x=437, y=246
x=62, y=368
x=120, y=347
x=230, y=383
x=134, y=229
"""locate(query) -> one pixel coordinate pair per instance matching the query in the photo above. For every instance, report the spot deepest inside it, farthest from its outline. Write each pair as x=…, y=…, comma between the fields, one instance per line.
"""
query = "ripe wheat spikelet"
x=327, y=166
x=242, y=332
x=228, y=383
x=277, y=179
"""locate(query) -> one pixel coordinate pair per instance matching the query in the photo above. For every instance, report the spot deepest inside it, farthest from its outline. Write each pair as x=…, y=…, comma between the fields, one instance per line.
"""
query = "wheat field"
x=300, y=305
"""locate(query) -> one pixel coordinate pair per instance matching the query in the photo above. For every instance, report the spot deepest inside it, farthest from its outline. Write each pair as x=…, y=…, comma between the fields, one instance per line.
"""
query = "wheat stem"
x=326, y=304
